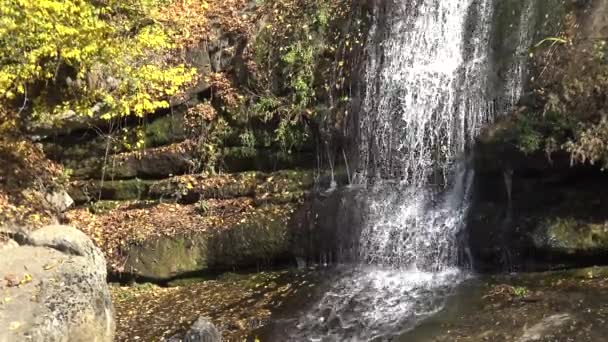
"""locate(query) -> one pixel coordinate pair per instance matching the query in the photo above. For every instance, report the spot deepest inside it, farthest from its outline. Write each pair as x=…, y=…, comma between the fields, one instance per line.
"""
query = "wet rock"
x=532, y=213
x=542, y=328
x=571, y=236
x=327, y=228
x=203, y=331
x=61, y=292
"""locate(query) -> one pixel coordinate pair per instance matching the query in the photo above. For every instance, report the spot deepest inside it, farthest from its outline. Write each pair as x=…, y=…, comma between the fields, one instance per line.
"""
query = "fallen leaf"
x=27, y=278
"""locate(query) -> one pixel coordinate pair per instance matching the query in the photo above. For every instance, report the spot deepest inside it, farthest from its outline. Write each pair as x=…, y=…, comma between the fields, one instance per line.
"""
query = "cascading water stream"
x=427, y=96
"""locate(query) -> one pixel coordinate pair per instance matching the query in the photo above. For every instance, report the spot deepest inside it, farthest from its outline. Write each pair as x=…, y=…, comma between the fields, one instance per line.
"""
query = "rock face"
x=532, y=208
x=328, y=227
x=259, y=240
x=54, y=288
x=532, y=213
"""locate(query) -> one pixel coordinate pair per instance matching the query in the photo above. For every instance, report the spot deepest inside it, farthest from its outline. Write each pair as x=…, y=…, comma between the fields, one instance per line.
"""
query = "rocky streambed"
x=550, y=306
x=237, y=304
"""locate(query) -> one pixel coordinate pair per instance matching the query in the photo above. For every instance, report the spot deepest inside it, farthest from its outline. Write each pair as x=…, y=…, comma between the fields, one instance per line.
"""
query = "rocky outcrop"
x=534, y=212
x=327, y=228
x=54, y=287
x=534, y=207
x=183, y=158
x=282, y=186
x=259, y=240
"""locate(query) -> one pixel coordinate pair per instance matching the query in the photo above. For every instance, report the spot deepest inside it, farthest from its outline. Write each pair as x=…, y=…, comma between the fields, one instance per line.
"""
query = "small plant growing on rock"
x=519, y=291
x=202, y=207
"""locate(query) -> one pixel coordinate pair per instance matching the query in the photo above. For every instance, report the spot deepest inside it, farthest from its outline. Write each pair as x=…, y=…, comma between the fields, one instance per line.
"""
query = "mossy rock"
x=238, y=159
x=164, y=130
x=103, y=207
x=278, y=187
x=260, y=239
x=168, y=257
x=118, y=190
x=152, y=164
x=572, y=236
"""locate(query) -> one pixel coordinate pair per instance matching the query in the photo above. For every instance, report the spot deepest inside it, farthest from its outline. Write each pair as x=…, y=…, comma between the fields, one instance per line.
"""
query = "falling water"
x=428, y=95
x=427, y=98
x=517, y=71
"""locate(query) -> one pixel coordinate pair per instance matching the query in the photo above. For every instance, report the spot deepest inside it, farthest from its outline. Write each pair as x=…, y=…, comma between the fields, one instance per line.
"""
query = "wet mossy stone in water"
x=572, y=236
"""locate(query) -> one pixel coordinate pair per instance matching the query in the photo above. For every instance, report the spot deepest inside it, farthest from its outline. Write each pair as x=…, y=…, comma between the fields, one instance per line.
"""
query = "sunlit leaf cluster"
x=94, y=58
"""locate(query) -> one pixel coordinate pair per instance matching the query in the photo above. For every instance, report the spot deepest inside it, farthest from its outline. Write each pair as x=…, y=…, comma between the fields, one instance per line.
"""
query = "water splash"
x=412, y=227
x=371, y=303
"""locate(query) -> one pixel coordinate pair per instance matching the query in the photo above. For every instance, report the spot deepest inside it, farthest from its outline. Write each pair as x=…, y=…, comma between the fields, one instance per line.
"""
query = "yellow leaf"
x=26, y=279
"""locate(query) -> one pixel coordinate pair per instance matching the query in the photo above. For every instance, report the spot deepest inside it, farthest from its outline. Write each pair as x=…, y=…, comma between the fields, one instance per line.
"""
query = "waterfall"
x=428, y=94
x=427, y=97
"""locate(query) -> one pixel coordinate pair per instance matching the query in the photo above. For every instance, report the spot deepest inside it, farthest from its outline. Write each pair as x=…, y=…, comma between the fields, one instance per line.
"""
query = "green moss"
x=103, y=207
x=257, y=239
x=164, y=131
x=167, y=257
x=571, y=235
x=120, y=190
x=532, y=132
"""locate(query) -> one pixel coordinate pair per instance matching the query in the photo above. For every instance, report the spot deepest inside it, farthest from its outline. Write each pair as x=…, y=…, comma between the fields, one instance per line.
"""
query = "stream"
x=293, y=305
x=550, y=306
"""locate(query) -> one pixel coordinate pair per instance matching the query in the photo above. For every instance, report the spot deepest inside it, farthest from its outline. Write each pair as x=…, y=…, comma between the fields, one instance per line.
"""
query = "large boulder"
x=53, y=284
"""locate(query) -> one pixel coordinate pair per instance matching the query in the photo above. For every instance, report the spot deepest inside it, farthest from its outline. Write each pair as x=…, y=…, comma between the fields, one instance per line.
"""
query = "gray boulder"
x=203, y=331
x=59, y=200
x=53, y=284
